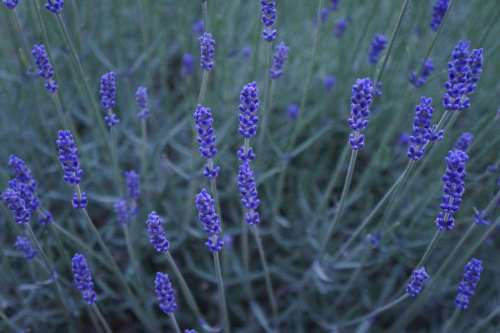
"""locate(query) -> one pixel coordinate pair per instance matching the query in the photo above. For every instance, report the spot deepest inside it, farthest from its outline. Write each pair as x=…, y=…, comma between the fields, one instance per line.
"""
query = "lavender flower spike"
x=467, y=287
x=187, y=64
x=248, y=193
x=82, y=278
x=165, y=293
x=453, y=189
x=207, y=50
x=206, y=139
x=23, y=245
x=156, y=233
x=10, y=4
x=464, y=141
x=249, y=108
x=23, y=183
x=122, y=211
x=107, y=94
x=16, y=205
x=417, y=282
x=205, y=205
x=45, y=69
x=279, y=59
x=438, y=11
x=141, y=98
x=419, y=80
x=54, y=6
x=340, y=27
x=269, y=13
x=70, y=163
x=378, y=45
x=362, y=97
x=423, y=131
x=133, y=184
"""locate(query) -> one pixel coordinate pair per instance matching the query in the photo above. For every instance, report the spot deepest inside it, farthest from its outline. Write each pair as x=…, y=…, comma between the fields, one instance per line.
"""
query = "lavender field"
x=249, y=166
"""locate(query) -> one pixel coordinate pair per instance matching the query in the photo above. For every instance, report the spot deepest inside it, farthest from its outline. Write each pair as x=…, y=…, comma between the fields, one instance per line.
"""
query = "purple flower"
x=378, y=45
x=198, y=28
x=453, y=189
x=205, y=205
x=481, y=218
x=279, y=59
x=207, y=50
x=141, y=98
x=249, y=108
x=438, y=12
x=23, y=245
x=79, y=201
x=329, y=82
x=246, y=52
x=23, y=183
x=362, y=97
x=122, y=211
x=44, y=68
x=133, y=184
x=45, y=218
x=419, y=80
x=335, y=5
x=156, y=233
x=190, y=331
x=187, y=65
x=165, y=293
x=206, y=139
x=464, y=71
x=325, y=12
x=82, y=278
x=10, y=4
x=467, y=287
x=107, y=94
x=54, y=6
x=423, y=131
x=464, y=141
x=340, y=27
x=248, y=193
x=292, y=111
x=268, y=17
x=417, y=282
x=16, y=205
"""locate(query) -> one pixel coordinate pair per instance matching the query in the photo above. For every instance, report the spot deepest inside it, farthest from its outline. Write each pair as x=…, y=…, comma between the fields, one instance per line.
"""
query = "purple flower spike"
x=45, y=218
x=141, y=98
x=468, y=285
x=68, y=157
x=335, y=5
x=187, y=67
x=122, y=211
x=453, y=189
x=133, y=184
x=10, y=4
x=165, y=293
x=417, y=282
x=420, y=79
x=438, y=11
x=156, y=233
x=23, y=183
x=207, y=50
x=340, y=27
x=207, y=215
x=329, y=82
x=82, y=278
x=279, y=58
x=248, y=193
x=54, y=6
x=423, y=131
x=23, y=245
x=79, y=201
x=361, y=100
x=190, y=331
x=44, y=68
x=206, y=139
x=198, y=28
x=107, y=94
x=378, y=45
x=293, y=111
x=249, y=108
x=269, y=13
x=481, y=218
x=464, y=141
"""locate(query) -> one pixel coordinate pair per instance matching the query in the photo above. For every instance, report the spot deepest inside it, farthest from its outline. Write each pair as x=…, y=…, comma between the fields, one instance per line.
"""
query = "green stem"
x=222, y=294
x=174, y=322
x=450, y=321
x=267, y=100
x=101, y=318
x=375, y=312
x=131, y=253
x=24, y=43
x=429, y=249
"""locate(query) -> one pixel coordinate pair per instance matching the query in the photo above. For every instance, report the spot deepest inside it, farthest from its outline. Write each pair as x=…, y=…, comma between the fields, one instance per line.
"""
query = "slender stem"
x=222, y=295
x=338, y=213
x=101, y=318
x=267, y=275
x=484, y=321
x=267, y=99
x=131, y=253
x=144, y=147
x=17, y=23
x=375, y=312
x=429, y=249
x=9, y=322
x=142, y=8
x=450, y=321
x=94, y=320
x=174, y=322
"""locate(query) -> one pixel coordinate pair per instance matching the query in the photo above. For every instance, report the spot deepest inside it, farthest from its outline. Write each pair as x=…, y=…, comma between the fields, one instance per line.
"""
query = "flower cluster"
x=70, y=163
x=423, y=131
x=340, y=27
x=279, y=59
x=453, y=189
x=45, y=69
x=378, y=45
x=329, y=82
x=156, y=233
x=122, y=211
x=206, y=139
x=82, y=278
x=207, y=50
x=248, y=109
x=205, y=205
x=10, y=4
x=481, y=218
x=361, y=99
x=23, y=245
x=292, y=111
x=464, y=141
x=107, y=94
x=269, y=13
x=417, y=282
x=165, y=293
x=141, y=98
x=187, y=65
x=133, y=184
x=467, y=287
x=438, y=11
x=335, y=5
x=54, y=6
x=419, y=79
x=464, y=71
x=248, y=193
x=16, y=205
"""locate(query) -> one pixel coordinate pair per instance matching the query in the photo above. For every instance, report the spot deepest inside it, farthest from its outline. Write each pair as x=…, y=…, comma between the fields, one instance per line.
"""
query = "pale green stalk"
x=101, y=318
x=451, y=321
x=174, y=322
x=222, y=293
x=267, y=98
